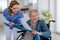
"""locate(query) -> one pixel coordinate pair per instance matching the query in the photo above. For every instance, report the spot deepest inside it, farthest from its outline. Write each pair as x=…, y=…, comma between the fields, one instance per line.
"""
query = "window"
x=34, y=1
x=58, y=16
x=3, y=4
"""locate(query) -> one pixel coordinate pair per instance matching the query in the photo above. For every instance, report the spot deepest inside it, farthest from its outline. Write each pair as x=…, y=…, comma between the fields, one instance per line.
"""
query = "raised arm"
x=24, y=23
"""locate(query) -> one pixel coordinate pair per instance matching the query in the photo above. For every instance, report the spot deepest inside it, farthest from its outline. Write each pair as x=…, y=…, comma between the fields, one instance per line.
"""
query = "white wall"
x=58, y=17
x=53, y=12
x=53, y=8
x=42, y=5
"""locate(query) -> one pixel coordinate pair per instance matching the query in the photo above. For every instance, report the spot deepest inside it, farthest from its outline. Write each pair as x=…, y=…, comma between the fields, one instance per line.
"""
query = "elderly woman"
x=38, y=26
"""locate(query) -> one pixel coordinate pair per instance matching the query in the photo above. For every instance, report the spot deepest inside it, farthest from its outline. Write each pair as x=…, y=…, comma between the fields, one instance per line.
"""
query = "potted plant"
x=46, y=15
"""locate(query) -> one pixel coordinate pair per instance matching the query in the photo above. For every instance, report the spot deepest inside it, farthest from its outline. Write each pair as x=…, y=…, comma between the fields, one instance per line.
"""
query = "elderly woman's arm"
x=24, y=23
x=46, y=32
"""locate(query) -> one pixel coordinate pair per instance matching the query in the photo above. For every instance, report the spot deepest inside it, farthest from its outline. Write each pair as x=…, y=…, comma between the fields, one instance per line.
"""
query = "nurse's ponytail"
x=12, y=3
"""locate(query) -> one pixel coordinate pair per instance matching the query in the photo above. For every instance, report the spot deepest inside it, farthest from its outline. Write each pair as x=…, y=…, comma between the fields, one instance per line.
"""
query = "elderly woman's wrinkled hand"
x=34, y=32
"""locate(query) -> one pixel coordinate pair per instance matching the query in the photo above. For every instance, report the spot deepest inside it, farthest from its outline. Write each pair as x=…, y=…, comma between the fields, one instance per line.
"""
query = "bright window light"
x=58, y=16
x=34, y=1
x=3, y=4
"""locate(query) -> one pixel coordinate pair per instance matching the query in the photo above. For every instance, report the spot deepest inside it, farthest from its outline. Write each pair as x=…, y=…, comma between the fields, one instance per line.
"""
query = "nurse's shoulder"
x=5, y=10
x=20, y=13
x=6, y=13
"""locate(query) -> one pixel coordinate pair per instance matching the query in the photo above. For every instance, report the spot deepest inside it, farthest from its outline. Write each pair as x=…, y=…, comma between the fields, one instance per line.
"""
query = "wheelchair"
x=22, y=33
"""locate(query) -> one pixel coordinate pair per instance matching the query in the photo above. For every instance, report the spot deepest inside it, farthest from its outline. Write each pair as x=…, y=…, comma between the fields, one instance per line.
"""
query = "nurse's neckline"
x=12, y=15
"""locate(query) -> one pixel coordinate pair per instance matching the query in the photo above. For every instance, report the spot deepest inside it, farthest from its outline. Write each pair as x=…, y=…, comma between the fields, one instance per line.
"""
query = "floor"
x=2, y=33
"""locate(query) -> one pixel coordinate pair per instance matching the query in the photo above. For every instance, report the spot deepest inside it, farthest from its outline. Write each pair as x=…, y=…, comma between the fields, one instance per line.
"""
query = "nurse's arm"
x=24, y=23
x=5, y=21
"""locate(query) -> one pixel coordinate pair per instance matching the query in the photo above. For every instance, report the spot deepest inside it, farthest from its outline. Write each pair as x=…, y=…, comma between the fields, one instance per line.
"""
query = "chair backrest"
x=48, y=25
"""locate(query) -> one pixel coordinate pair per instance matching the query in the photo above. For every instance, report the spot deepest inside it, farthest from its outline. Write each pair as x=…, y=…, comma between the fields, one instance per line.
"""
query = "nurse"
x=13, y=15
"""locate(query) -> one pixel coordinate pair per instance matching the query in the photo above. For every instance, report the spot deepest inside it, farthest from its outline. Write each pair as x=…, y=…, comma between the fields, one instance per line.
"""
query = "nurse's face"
x=15, y=8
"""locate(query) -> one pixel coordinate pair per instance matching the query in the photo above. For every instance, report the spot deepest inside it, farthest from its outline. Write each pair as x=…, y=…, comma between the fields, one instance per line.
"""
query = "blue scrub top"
x=14, y=18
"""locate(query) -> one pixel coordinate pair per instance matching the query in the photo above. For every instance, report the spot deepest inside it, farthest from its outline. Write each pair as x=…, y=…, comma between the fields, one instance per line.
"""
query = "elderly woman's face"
x=34, y=16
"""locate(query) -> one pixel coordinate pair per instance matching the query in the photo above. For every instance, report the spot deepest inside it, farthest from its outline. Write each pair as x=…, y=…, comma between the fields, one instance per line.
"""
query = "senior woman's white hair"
x=35, y=10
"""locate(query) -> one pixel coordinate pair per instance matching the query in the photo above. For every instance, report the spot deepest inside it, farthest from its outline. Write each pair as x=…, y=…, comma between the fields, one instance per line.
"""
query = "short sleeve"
x=5, y=16
x=5, y=13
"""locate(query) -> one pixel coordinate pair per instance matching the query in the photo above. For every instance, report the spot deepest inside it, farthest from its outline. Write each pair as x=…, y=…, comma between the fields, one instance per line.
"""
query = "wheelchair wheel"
x=21, y=35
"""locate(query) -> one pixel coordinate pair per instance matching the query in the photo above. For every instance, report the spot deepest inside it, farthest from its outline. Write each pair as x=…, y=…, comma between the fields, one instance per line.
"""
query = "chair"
x=21, y=35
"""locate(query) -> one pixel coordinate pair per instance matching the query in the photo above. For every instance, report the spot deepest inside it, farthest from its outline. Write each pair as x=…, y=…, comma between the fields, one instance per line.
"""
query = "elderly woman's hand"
x=34, y=32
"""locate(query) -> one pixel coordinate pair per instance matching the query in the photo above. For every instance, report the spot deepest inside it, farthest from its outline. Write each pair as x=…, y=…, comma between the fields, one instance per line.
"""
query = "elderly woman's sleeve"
x=46, y=32
x=24, y=23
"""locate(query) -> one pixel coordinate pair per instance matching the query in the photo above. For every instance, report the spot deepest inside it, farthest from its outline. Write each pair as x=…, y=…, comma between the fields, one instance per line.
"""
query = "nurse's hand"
x=11, y=24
